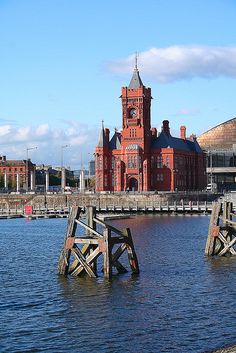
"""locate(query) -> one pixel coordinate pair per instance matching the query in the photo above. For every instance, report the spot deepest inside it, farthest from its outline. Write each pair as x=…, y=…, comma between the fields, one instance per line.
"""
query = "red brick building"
x=13, y=174
x=138, y=159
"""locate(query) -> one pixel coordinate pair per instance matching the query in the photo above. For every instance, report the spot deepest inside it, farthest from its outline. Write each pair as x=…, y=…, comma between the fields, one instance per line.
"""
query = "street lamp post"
x=63, y=181
x=62, y=148
x=27, y=167
x=89, y=175
x=211, y=171
x=89, y=165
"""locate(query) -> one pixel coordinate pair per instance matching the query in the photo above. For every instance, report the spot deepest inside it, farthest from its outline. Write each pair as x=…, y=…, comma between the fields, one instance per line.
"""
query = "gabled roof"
x=102, y=142
x=165, y=140
x=136, y=81
x=115, y=144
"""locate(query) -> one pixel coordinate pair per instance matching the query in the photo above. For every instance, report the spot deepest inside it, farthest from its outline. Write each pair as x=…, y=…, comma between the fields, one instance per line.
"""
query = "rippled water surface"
x=180, y=302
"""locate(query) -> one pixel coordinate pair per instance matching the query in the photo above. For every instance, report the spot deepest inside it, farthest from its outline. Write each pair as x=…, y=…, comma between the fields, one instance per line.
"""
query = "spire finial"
x=136, y=60
x=102, y=124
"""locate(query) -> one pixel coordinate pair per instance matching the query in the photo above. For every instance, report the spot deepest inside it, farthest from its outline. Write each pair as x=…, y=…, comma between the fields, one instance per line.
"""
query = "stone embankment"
x=11, y=201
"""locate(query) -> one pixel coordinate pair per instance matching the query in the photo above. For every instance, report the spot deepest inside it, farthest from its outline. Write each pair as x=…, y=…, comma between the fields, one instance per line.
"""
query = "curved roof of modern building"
x=220, y=137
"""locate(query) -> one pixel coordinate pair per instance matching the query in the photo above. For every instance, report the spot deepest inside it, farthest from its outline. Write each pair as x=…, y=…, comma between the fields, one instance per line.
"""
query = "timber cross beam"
x=222, y=230
x=80, y=252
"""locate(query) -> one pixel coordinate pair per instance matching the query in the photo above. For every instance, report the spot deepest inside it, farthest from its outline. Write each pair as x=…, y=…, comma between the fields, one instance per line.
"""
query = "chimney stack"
x=183, y=132
x=165, y=127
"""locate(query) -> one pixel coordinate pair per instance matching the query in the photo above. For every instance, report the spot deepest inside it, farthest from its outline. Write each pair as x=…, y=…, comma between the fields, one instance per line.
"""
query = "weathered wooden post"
x=213, y=229
x=63, y=264
x=131, y=252
x=91, y=214
x=222, y=231
x=107, y=256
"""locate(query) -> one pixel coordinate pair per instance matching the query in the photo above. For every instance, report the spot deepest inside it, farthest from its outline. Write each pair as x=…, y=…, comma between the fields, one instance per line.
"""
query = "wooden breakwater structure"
x=221, y=239
x=80, y=251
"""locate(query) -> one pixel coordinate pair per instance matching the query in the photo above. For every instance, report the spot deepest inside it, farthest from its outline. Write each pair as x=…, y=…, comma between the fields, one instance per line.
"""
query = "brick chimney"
x=183, y=132
x=165, y=127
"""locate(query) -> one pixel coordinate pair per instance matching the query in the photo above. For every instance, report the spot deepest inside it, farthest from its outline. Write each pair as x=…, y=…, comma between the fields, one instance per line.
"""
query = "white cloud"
x=80, y=138
x=42, y=130
x=71, y=131
x=181, y=62
x=4, y=129
x=22, y=134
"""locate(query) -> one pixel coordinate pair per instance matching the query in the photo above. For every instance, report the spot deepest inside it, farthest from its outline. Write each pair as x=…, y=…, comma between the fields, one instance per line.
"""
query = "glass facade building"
x=221, y=169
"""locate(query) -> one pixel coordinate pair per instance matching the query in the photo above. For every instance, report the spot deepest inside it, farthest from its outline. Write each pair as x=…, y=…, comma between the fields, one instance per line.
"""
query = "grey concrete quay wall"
x=11, y=201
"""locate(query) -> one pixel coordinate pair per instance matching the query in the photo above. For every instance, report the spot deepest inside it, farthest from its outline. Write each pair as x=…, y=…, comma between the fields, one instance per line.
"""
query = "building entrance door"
x=133, y=184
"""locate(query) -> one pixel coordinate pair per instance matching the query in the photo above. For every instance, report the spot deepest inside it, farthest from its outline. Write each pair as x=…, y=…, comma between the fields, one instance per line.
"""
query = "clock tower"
x=136, y=106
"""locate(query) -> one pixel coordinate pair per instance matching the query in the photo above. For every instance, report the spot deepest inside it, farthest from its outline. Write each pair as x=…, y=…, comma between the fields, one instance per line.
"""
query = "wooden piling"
x=222, y=230
x=63, y=264
x=80, y=252
x=213, y=227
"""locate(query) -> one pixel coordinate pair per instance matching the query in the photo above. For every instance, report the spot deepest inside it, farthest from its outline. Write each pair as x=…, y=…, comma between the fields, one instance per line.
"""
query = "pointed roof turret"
x=115, y=143
x=136, y=81
x=102, y=142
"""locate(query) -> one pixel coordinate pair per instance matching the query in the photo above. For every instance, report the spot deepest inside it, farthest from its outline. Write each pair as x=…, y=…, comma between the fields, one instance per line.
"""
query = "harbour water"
x=181, y=301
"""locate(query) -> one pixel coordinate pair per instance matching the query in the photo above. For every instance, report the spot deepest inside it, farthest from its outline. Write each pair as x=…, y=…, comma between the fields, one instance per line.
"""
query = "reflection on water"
x=180, y=302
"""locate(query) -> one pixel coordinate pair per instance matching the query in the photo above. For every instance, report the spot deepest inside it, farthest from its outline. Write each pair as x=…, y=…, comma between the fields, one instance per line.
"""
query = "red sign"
x=28, y=210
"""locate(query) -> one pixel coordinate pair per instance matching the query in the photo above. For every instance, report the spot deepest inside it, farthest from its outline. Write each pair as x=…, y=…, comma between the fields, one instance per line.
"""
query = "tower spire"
x=102, y=138
x=136, y=81
x=136, y=61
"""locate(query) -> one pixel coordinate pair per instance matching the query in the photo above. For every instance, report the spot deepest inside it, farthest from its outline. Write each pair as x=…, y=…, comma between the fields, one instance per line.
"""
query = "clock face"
x=132, y=113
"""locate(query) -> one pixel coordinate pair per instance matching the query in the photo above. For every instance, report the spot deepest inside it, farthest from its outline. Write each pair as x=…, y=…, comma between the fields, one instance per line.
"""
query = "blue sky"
x=63, y=63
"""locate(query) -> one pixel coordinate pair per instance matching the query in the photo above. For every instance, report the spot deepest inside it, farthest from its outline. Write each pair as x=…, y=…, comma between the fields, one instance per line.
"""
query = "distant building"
x=91, y=168
x=53, y=179
x=77, y=173
x=69, y=173
x=220, y=146
x=137, y=159
x=17, y=174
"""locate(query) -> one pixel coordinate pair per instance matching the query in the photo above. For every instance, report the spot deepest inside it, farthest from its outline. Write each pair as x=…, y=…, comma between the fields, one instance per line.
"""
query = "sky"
x=63, y=63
